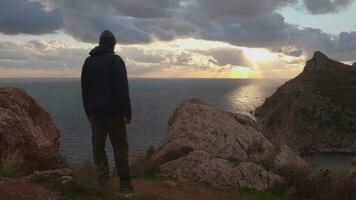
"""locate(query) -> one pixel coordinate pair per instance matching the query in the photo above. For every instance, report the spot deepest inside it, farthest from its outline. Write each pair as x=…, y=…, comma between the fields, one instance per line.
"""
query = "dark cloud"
x=237, y=22
x=144, y=8
x=261, y=31
x=326, y=6
x=347, y=41
x=226, y=56
x=21, y=16
x=241, y=8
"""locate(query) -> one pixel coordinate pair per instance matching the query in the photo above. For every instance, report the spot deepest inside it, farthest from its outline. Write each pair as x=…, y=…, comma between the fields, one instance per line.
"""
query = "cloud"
x=144, y=8
x=241, y=8
x=21, y=16
x=39, y=54
x=262, y=31
x=237, y=22
x=222, y=58
x=326, y=6
x=54, y=55
x=226, y=56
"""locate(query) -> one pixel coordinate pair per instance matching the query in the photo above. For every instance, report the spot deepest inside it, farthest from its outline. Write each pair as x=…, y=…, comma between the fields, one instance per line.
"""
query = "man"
x=106, y=102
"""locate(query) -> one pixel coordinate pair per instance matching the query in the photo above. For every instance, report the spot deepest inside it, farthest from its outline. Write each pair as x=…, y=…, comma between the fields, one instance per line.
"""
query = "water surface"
x=329, y=161
x=153, y=101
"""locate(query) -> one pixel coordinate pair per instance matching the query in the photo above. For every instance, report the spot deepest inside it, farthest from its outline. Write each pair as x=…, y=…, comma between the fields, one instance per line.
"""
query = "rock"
x=224, y=149
x=170, y=183
x=353, y=162
x=63, y=175
x=287, y=157
x=200, y=166
x=29, y=140
x=66, y=179
x=316, y=111
x=351, y=168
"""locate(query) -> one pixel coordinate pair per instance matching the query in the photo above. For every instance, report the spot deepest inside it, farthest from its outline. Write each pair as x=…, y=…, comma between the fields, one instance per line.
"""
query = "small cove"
x=332, y=161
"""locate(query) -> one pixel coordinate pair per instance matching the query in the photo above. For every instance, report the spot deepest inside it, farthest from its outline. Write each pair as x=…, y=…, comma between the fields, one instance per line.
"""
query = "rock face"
x=28, y=138
x=223, y=149
x=316, y=111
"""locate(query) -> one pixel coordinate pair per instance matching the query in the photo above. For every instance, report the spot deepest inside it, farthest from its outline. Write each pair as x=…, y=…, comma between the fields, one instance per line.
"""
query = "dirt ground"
x=180, y=191
x=20, y=189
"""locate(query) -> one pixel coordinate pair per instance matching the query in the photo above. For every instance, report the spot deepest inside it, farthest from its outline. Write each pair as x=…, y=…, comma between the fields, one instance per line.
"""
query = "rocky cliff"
x=28, y=138
x=315, y=111
x=224, y=149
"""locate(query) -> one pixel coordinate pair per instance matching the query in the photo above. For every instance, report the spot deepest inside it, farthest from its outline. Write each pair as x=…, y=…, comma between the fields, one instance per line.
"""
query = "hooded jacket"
x=105, y=89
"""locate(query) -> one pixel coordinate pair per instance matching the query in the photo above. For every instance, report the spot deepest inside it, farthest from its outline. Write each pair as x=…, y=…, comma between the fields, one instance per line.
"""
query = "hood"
x=101, y=49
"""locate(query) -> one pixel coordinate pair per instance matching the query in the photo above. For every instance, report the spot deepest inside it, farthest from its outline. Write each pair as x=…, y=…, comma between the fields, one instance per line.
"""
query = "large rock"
x=223, y=149
x=28, y=138
x=316, y=111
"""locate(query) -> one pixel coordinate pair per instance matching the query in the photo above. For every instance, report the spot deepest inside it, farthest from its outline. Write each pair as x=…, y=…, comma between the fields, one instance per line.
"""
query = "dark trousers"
x=115, y=127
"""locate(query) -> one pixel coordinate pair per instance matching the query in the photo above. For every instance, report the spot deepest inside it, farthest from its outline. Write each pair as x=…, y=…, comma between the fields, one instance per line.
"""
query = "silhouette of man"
x=107, y=105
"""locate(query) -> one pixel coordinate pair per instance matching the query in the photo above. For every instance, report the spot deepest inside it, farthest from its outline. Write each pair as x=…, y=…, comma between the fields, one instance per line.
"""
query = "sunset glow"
x=203, y=39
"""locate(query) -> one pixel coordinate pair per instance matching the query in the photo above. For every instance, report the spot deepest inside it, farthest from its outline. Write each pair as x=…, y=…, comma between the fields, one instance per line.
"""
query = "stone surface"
x=63, y=175
x=29, y=140
x=316, y=111
x=224, y=149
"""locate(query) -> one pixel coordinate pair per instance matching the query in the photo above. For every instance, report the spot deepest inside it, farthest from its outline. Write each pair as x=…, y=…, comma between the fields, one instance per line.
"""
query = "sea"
x=153, y=102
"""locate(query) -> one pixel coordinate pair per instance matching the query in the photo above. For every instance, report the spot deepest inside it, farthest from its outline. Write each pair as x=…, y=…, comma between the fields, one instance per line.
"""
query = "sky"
x=176, y=38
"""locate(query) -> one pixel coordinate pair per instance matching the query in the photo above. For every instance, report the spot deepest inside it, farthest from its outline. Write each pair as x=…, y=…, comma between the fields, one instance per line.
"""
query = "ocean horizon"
x=153, y=101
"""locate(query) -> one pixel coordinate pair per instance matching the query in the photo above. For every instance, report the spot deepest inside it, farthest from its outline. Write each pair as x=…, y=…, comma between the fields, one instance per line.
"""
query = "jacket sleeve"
x=85, y=88
x=122, y=86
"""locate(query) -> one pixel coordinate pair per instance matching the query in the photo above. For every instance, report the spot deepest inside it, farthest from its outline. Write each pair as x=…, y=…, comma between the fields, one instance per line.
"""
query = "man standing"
x=106, y=102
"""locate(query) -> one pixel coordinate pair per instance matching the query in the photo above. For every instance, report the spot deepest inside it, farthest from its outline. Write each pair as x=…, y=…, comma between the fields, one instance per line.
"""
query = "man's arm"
x=85, y=85
x=122, y=87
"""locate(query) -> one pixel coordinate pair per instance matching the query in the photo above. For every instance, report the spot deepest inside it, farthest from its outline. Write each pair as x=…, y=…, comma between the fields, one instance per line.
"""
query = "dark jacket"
x=105, y=87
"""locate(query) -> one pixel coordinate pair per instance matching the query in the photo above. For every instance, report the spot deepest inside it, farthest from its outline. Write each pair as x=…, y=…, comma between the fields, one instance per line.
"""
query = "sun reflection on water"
x=248, y=97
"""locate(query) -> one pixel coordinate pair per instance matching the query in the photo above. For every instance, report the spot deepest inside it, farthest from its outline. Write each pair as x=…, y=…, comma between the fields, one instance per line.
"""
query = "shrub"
x=85, y=176
x=273, y=193
x=9, y=166
x=301, y=185
x=142, y=167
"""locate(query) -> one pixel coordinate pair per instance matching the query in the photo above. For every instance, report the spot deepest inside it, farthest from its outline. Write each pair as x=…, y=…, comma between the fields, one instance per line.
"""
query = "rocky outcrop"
x=316, y=111
x=223, y=149
x=28, y=138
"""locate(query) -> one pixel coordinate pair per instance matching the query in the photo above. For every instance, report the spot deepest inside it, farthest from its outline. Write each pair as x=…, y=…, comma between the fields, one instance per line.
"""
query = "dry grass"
x=10, y=165
x=302, y=185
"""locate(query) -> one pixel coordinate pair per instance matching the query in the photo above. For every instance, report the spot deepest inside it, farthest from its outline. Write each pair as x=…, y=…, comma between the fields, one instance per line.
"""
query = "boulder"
x=224, y=149
x=29, y=140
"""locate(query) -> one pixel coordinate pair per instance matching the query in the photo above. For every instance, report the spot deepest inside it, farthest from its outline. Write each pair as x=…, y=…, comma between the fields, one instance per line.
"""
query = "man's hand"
x=127, y=120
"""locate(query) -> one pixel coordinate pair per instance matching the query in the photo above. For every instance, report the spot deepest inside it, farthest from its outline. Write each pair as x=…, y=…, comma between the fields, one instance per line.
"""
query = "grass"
x=174, y=154
x=84, y=186
x=8, y=172
x=9, y=166
x=326, y=185
x=233, y=159
x=142, y=166
x=272, y=193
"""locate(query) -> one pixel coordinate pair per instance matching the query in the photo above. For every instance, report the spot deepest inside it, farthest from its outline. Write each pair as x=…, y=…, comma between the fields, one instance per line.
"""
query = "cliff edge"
x=315, y=111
